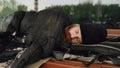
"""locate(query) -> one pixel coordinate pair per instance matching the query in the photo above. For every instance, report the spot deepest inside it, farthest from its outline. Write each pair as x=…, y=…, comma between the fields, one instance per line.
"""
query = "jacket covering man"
x=43, y=31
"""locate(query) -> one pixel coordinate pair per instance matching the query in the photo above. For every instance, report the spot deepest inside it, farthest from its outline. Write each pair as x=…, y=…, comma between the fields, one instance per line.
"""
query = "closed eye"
x=76, y=31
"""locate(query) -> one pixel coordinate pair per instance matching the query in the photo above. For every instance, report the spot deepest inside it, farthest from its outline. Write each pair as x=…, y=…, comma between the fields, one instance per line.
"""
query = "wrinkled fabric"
x=48, y=28
x=42, y=29
x=15, y=23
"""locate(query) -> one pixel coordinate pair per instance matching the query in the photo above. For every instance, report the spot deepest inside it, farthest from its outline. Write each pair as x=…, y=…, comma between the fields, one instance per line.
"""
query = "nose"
x=73, y=35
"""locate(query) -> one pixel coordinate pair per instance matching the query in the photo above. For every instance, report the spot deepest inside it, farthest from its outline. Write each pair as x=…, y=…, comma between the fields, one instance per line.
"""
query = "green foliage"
x=6, y=11
x=106, y=14
x=10, y=6
x=22, y=8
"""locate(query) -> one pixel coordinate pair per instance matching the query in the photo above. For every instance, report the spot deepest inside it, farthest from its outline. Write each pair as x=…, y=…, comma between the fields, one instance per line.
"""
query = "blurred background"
x=105, y=12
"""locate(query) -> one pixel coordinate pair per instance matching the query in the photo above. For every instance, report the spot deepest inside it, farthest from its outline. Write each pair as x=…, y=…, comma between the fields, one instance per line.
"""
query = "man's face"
x=74, y=35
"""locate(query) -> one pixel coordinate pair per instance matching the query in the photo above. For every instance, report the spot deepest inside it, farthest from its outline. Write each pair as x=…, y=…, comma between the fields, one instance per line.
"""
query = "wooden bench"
x=74, y=64
x=80, y=64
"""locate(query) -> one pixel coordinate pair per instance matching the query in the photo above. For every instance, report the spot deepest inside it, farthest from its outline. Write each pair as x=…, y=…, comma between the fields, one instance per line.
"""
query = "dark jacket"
x=42, y=29
x=48, y=28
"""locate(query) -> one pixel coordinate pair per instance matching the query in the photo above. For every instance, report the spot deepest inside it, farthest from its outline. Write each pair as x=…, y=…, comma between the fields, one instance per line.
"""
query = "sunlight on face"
x=75, y=34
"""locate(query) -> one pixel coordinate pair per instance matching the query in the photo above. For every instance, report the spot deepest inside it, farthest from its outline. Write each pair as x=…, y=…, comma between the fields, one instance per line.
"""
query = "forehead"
x=76, y=27
x=72, y=26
